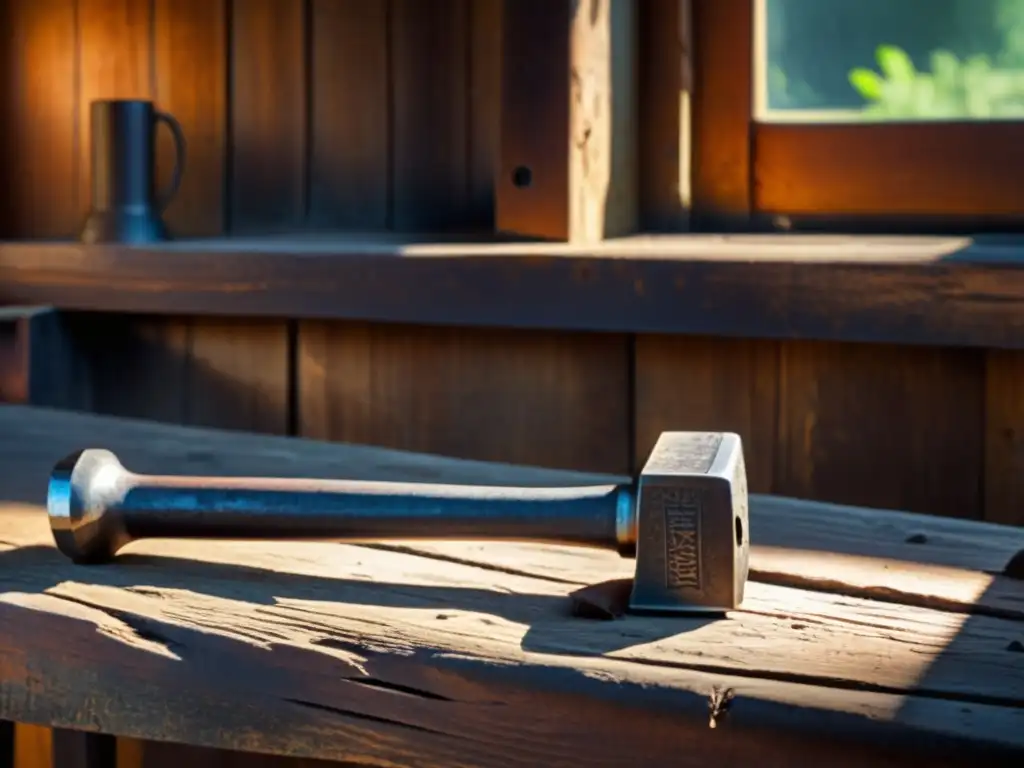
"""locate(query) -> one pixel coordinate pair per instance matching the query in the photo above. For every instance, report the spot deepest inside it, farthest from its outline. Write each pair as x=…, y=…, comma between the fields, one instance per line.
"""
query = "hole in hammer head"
x=522, y=177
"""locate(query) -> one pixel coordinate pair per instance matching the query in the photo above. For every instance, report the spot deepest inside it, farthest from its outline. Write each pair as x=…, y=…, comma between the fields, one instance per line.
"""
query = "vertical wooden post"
x=568, y=166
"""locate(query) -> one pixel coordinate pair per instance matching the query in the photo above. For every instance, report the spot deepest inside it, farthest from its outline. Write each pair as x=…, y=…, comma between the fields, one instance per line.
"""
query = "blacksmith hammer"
x=685, y=519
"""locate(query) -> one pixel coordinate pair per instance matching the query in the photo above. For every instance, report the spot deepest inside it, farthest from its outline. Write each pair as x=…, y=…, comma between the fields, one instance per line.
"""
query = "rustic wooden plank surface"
x=478, y=662
x=429, y=57
x=1004, y=437
x=568, y=120
x=854, y=418
x=349, y=120
x=191, y=73
x=268, y=116
x=867, y=289
x=665, y=94
x=716, y=384
x=558, y=400
x=723, y=106
x=37, y=149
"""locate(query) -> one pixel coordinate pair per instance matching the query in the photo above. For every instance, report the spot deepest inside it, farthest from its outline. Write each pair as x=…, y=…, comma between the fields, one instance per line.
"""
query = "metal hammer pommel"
x=685, y=520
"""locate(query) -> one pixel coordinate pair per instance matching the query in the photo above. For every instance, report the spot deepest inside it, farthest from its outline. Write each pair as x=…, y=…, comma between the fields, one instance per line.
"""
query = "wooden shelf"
x=917, y=290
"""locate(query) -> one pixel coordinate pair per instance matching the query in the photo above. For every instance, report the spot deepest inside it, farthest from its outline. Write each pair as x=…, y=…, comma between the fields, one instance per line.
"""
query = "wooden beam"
x=665, y=96
x=952, y=291
x=568, y=167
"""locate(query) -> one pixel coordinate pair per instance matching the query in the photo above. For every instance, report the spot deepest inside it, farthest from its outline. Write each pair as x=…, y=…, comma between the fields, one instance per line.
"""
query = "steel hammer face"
x=692, y=548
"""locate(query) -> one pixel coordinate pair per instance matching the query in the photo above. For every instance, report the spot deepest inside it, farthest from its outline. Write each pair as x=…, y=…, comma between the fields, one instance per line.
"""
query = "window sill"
x=913, y=290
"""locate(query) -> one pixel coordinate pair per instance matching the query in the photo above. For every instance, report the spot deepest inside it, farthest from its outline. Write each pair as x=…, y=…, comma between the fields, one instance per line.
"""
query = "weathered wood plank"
x=491, y=637
x=484, y=110
x=547, y=399
x=429, y=51
x=723, y=112
x=1004, y=437
x=191, y=71
x=666, y=80
x=569, y=107
x=238, y=375
x=38, y=149
x=909, y=290
x=882, y=426
x=350, y=129
x=268, y=116
x=138, y=364
x=115, y=62
x=715, y=384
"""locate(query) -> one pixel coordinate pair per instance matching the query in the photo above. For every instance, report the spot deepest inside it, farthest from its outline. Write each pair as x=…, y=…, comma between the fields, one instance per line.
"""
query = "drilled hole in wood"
x=522, y=177
x=739, y=532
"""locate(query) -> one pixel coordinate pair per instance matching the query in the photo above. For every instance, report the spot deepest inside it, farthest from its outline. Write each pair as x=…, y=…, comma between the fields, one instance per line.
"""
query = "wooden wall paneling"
x=38, y=143
x=190, y=63
x=429, y=51
x=723, y=103
x=268, y=116
x=665, y=95
x=235, y=373
x=238, y=375
x=568, y=120
x=350, y=126
x=882, y=426
x=115, y=62
x=550, y=399
x=690, y=383
x=1004, y=437
x=484, y=110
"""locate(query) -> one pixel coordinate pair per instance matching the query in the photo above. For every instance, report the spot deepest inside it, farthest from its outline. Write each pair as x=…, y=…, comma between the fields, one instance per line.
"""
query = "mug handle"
x=179, y=159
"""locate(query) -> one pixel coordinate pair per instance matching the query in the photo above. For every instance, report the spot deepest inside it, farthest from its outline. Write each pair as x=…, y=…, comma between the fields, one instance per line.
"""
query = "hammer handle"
x=163, y=506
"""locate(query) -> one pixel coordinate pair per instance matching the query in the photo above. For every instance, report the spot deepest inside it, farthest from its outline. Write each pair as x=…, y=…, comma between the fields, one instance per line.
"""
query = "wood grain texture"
x=555, y=400
x=952, y=291
x=723, y=33
x=268, y=116
x=39, y=142
x=665, y=94
x=238, y=375
x=115, y=62
x=568, y=130
x=429, y=51
x=686, y=383
x=408, y=658
x=485, y=57
x=350, y=126
x=191, y=63
x=882, y=426
x=889, y=170
x=1004, y=437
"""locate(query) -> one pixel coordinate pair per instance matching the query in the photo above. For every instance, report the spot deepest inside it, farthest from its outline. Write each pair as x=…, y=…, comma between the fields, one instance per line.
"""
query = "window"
x=906, y=111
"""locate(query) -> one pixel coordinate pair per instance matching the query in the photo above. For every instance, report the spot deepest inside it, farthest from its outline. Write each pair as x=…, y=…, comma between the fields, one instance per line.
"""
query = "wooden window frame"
x=915, y=176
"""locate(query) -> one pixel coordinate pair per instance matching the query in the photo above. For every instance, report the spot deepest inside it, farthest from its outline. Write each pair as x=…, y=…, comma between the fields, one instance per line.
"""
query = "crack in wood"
x=369, y=718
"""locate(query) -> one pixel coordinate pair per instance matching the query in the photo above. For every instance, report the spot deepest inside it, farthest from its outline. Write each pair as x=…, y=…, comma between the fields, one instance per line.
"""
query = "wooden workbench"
x=866, y=638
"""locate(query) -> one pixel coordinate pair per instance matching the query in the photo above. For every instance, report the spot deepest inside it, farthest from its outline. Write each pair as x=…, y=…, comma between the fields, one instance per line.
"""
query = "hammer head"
x=692, y=547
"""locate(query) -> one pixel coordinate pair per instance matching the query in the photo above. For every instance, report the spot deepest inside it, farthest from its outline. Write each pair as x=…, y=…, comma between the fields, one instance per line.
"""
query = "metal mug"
x=126, y=206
